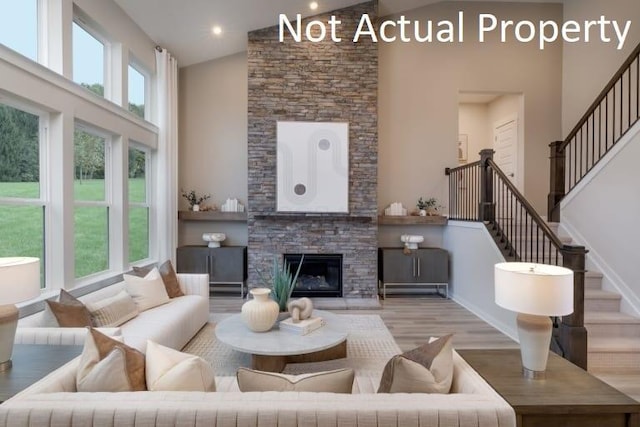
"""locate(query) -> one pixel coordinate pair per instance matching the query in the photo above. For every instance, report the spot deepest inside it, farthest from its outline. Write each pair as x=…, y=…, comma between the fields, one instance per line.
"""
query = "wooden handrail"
x=449, y=171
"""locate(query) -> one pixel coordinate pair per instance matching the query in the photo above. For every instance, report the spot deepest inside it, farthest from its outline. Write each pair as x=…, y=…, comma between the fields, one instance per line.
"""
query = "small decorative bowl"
x=214, y=239
x=411, y=241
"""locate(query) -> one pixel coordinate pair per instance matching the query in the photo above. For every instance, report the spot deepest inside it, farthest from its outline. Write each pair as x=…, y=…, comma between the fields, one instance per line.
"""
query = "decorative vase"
x=423, y=212
x=195, y=208
x=261, y=312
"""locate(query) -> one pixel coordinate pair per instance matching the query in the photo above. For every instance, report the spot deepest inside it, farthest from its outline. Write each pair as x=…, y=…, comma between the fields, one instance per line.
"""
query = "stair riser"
x=628, y=362
x=592, y=282
x=601, y=304
x=625, y=330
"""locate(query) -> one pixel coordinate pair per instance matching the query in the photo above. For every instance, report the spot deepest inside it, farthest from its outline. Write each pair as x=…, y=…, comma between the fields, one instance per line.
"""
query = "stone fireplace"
x=315, y=82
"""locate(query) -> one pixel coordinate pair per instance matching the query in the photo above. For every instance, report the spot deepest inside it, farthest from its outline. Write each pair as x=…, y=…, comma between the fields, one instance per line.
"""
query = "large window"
x=21, y=205
x=137, y=91
x=88, y=60
x=91, y=213
x=19, y=26
x=138, y=204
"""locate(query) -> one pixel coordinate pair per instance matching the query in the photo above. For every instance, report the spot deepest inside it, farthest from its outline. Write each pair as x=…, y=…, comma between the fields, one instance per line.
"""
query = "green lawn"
x=21, y=227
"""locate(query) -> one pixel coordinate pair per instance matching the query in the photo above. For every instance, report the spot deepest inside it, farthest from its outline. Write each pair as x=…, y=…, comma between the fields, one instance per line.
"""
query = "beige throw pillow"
x=113, y=311
x=337, y=381
x=68, y=311
x=170, y=370
x=109, y=365
x=147, y=291
x=426, y=369
x=169, y=278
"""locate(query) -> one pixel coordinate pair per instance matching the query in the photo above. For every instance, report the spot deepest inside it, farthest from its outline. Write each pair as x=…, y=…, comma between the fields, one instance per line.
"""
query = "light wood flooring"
x=412, y=320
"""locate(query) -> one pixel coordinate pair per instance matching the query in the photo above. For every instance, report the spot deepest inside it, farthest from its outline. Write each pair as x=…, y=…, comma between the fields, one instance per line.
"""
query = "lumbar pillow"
x=107, y=364
x=147, y=291
x=169, y=278
x=113, y=311
x=68, y=311
x=426, y=369
x=170, y=370
x=337, y=381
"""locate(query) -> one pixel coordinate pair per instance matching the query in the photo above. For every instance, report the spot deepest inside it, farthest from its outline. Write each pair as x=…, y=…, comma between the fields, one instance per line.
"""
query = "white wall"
x=473, y=121
x=602, y=213
x=473, y=256
x=213, y=140
x=588, y=67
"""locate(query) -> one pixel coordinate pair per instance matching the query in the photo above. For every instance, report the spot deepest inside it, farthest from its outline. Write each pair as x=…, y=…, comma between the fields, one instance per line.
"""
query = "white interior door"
x=505, y=145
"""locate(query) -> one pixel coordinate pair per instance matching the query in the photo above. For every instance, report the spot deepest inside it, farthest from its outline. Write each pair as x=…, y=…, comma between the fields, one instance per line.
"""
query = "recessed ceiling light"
x=313, y=5
x=217, y=30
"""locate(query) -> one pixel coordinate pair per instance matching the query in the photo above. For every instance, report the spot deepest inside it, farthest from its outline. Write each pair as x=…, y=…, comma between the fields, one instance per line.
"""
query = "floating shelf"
x=296, y=216
x=412, y=220
x=212, y=216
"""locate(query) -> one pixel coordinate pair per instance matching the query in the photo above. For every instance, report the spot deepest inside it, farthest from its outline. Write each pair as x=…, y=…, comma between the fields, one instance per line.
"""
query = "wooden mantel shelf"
x=212, y=216
x=412, y=220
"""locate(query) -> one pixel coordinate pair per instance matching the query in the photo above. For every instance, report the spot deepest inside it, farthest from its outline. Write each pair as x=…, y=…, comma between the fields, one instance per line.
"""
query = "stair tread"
x=600, y=294
x=593, y=273
x=614, y=344
x=609, y=317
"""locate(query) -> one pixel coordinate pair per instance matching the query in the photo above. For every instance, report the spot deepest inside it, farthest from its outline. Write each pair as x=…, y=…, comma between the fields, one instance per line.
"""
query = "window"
x=91, y=213
x=19, y=26
x=138, y=204
x=137, y=91
x=88, y=60
x=22, y=209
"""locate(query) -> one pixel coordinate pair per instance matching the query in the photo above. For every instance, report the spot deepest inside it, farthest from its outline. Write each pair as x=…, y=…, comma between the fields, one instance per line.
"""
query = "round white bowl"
x=411, y=241
x=214, y=239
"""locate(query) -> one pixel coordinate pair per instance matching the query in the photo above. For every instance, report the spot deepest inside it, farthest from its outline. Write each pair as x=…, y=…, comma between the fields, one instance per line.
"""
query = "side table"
x=32, y=362
x=567, y=397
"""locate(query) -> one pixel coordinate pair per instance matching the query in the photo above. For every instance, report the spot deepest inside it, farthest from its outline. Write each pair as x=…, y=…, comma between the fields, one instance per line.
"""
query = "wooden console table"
x=568, y=396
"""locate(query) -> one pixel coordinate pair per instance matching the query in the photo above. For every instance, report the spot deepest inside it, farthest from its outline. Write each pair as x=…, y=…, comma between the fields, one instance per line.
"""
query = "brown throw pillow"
x=426, y=369
x=69, y=311
x=168, y=275
x=109, y=365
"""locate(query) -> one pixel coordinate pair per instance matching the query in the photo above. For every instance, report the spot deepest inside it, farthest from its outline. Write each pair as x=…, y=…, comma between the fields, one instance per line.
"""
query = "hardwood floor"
x=413, y=319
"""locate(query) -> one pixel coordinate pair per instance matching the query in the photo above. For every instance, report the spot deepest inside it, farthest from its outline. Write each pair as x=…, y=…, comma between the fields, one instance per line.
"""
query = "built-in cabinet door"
x=398, y=267
x=192, y=259
x=227, y=265
x=433, y=265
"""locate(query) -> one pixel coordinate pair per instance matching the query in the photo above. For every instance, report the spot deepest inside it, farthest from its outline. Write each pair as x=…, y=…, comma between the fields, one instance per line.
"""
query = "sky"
x=19, y=31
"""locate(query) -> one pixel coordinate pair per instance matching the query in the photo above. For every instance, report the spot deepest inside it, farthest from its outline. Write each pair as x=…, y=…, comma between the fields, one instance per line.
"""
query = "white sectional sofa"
x=172, y=324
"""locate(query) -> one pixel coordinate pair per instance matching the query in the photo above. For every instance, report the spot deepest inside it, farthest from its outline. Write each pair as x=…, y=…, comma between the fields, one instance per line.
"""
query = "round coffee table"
x=272, y=350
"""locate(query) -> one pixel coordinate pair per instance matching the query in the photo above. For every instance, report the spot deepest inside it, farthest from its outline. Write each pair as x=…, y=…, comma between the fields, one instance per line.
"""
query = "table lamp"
x=535, y=292
x=19, y=281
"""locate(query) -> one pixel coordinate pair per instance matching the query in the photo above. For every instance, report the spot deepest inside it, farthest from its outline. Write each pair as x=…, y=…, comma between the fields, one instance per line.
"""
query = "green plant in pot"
x=281, y=282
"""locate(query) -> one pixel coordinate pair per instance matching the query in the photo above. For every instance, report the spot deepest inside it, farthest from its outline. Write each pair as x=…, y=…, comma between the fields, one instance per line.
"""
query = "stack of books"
x=303, y=327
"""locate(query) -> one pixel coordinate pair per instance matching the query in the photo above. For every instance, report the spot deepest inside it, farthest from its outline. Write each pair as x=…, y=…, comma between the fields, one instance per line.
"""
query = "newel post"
x=556, y=181
x=487, y=207
x=572, y=334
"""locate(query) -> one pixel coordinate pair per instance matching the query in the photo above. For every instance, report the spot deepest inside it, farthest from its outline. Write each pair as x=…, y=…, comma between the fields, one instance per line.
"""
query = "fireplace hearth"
x=320, y=274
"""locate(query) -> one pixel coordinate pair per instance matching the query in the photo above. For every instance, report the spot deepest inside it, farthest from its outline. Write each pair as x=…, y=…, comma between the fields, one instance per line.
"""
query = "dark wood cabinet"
x=224, y=265
x=422, y=266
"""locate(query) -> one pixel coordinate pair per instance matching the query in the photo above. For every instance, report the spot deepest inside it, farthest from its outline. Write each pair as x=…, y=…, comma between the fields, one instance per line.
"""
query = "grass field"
x=21, y=227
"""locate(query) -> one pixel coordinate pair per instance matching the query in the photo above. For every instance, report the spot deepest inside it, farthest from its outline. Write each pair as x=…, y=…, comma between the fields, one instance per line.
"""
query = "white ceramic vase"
x=195, y=208
x=261, y=312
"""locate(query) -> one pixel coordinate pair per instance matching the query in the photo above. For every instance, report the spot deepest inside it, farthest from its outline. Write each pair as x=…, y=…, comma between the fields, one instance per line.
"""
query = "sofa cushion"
x=337, y=381
x=170, y=370
x=169, y=278
x=113, y=311
x=147, y=291
x=108, y=365
x=426, y=369
x=68, y=311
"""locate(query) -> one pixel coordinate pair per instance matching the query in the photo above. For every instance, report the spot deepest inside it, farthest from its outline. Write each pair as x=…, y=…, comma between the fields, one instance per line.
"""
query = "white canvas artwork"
x=313, y=167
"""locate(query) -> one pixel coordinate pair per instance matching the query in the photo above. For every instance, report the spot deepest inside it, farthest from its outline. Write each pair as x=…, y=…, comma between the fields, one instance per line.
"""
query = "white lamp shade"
x=19, y=279
x=538, y=289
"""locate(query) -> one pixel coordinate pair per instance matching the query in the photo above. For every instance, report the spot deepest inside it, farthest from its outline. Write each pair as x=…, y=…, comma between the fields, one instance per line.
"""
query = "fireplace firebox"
x=320, y=274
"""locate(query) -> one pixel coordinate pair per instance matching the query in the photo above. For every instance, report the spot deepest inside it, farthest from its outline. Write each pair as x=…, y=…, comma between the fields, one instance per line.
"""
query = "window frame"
x=148, y=155
x=86, y=24
x=135, y=64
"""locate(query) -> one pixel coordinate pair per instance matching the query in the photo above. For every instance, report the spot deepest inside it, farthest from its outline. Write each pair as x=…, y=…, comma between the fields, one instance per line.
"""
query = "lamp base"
x=535, y=336
x=8, y=324
x=6, y=365
x=533, y=375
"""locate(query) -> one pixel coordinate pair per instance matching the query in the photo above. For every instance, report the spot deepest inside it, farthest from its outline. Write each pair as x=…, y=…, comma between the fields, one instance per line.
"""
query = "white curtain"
x=167, y=164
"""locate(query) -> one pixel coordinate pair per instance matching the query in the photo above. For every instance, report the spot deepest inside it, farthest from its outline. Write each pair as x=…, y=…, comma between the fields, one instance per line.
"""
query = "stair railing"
x=522, y=235
x=608, y=119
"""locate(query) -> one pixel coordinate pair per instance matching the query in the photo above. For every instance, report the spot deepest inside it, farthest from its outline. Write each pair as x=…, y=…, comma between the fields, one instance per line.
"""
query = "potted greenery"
x=281, y=282
x=194, y=200
x=427, y=207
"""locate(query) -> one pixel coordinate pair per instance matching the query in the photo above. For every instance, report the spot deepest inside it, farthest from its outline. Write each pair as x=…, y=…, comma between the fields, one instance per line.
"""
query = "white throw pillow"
x=170, y=370
x=113, y=311
x=147, y=291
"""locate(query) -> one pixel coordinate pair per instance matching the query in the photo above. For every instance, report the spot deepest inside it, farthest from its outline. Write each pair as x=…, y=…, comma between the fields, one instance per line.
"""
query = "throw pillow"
x=107, y=364
x=168, y=275
x=147, y=291
x=69, y=311
x=426, y=369
x=113, y=311
x=337, y=381
x=170, y=370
